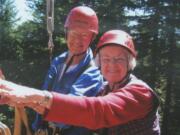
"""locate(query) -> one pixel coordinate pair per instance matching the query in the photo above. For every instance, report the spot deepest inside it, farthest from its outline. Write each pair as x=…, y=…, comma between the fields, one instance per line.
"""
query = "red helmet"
x=117, y=37
x=83, y=17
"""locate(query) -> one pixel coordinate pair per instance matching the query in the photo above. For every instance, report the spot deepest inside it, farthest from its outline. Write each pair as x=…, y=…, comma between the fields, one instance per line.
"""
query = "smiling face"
x=114, y=63
x=78, y=40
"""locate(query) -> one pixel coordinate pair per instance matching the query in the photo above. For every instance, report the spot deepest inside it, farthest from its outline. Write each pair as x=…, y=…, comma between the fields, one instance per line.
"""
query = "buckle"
x=58, y=131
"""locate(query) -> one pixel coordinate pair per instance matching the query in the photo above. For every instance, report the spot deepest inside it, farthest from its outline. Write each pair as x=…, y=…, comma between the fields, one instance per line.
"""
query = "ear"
x=65, y=33
x=93, y=37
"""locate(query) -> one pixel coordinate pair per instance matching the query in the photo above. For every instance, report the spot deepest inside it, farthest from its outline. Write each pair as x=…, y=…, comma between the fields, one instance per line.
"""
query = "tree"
x=171, y=106
x=7, y=21
x=154, y=25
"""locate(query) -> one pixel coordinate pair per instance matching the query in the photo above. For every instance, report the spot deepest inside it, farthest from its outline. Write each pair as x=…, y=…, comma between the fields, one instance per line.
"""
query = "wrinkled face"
x=114, y=63
x=78, y=40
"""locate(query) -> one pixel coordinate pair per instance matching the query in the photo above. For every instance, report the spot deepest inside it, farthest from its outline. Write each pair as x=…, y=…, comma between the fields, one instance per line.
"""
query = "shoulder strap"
x=85, y=67
x=17, y=122
x=21, y=118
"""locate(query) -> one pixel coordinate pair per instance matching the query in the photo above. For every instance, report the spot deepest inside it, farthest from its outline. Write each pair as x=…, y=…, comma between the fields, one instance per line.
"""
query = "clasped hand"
x=21, y=96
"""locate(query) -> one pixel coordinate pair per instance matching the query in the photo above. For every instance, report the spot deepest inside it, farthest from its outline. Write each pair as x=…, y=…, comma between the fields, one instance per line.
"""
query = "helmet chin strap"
x=79, y=54
x=125, y=79
x=70, y=59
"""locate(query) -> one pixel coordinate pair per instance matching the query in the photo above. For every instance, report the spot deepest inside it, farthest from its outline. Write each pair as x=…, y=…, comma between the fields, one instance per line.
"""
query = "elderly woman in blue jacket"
x=74, y=72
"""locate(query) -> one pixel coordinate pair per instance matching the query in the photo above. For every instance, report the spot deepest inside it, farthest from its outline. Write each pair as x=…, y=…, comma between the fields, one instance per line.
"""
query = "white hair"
x=97, y=60
x=132, y=61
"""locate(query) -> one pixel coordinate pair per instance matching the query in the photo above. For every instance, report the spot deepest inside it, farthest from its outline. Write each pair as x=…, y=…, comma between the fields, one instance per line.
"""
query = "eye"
x=71, y=34
x=119, y=60
x=85, y=35
x=106, y=60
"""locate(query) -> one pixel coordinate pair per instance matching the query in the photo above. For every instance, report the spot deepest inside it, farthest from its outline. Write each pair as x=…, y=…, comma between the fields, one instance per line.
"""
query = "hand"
x=6, y=100
x=3, y=100
x=19, y=94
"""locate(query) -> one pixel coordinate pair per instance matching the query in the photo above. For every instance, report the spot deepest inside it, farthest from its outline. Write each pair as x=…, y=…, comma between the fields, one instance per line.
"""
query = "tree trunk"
x=169, y=87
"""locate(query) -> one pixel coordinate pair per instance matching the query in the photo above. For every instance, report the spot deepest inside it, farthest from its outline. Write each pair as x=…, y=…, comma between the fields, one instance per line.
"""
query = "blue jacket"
x=84, y=80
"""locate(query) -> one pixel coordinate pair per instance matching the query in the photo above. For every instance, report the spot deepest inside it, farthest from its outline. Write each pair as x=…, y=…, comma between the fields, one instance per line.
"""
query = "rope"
x=50, y=26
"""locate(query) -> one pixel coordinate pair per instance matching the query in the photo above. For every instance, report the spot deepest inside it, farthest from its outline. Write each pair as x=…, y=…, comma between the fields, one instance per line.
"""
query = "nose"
x=111, y=64
x=78, y=41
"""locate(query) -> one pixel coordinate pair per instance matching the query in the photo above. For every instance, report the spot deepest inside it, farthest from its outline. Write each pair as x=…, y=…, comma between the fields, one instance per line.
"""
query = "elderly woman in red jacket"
x=126, y=104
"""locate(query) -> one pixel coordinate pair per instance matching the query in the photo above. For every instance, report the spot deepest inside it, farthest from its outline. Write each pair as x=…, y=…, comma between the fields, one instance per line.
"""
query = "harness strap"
x=25, y=121
x=21, y=118
x=17, y=122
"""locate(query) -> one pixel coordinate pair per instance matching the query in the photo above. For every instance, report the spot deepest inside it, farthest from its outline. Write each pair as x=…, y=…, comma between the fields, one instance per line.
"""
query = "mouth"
x=78, y=45
x=112, y=71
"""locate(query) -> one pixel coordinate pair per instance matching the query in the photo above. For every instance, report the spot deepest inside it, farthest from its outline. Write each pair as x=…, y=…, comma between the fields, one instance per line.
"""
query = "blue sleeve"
x=46, y=86
x=50, y=77
x=88, y=83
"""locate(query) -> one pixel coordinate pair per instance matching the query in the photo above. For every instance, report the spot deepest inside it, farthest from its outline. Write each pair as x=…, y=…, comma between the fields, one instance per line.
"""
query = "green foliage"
x=154, y=26
x=7, y=21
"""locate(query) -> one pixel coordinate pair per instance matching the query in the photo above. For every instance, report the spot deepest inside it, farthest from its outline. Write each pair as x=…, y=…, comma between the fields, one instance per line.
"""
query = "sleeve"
x=118, y=107
x=50, y=76
x=39, y=122
x=88, y=83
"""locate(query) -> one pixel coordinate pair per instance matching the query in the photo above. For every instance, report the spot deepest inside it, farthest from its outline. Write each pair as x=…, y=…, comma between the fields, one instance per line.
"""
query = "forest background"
x=154, y=26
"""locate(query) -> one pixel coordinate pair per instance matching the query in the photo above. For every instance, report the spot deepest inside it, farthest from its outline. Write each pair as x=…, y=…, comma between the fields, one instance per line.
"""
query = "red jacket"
x=130, y=102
